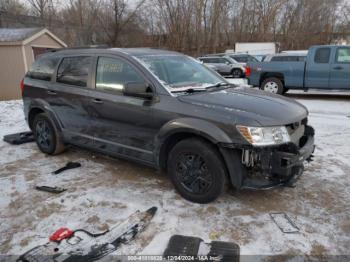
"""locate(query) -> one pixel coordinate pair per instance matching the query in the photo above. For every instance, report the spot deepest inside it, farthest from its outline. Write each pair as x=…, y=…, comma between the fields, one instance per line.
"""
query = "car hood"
x=265, y=108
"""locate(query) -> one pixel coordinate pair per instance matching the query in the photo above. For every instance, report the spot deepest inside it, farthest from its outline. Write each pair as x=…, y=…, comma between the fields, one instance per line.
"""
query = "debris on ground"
x=188, y=246
x=284, y=223
x=19, y=138
x=83, y=246
x=69, y=165
x=50, y=189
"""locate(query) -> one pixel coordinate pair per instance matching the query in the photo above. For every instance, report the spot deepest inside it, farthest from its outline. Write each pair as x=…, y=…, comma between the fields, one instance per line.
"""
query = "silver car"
x=224, y=66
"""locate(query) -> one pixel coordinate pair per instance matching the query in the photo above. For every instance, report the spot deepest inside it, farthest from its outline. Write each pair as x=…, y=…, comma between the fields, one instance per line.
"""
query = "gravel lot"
x=104, y=191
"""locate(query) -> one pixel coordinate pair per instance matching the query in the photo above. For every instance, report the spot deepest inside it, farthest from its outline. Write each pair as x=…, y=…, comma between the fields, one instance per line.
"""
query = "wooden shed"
x=18, y=49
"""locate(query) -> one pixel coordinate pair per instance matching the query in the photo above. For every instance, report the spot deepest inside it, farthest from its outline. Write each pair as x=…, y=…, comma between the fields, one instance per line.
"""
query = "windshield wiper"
x=220, y=84
x=189, y=90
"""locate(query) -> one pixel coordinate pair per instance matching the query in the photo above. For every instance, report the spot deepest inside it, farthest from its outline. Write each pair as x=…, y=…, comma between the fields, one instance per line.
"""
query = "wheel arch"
x=40, y=106
x=267, y=75
x=180, y=129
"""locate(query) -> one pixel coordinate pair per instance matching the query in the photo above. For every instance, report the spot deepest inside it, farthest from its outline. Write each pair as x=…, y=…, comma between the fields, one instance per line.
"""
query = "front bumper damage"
x=270, y=167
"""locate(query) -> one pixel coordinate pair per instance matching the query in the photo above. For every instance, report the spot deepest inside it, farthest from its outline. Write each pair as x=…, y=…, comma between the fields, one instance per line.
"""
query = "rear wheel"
x=237, y=73
x=46, y=135
x=197, y=170
x=272, y=85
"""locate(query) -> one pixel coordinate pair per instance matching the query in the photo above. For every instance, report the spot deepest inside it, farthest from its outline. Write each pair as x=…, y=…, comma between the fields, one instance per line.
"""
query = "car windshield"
x=244, y=58
x=180, y=73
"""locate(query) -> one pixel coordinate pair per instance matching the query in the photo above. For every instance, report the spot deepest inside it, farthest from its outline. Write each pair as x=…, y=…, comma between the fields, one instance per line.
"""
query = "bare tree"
x=116, y=17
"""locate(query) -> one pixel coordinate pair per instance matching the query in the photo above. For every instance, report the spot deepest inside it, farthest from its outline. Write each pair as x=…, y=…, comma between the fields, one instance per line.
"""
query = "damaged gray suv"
x=168, y=111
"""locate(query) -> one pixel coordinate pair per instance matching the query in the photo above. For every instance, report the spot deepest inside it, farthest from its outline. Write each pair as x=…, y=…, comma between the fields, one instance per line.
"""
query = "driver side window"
x=113, y=73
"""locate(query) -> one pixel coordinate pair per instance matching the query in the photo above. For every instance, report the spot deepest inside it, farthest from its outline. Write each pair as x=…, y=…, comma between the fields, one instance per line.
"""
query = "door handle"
x=338, y=68
x=97, y=101
x=51, y=93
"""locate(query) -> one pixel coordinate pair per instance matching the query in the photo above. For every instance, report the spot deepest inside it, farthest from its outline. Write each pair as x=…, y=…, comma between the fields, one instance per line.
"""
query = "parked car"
x=166, y=110
x=260, y=58
x=284, y=57
x=326, y=67
x=242, y=58
x=224, y=66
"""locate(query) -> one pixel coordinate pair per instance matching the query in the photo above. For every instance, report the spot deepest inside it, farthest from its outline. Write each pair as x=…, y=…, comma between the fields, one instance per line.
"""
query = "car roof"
x=128, y=51
x=211, y=56
x=288, y=54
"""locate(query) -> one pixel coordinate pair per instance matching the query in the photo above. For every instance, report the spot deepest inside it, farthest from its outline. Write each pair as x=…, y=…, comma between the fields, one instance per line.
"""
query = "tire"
x=189, y=162
x=46, y=135
x=237, y=73
x=272, y=85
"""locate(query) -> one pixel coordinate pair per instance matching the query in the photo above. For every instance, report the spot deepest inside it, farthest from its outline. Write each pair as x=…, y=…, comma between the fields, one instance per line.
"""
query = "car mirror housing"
x=137, y=89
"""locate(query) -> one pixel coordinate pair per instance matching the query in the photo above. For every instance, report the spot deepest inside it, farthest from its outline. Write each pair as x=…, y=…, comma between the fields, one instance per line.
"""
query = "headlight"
x=265, y=136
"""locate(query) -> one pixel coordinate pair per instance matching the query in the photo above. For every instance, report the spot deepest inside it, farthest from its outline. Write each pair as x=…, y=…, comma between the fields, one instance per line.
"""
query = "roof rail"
x=80, y=47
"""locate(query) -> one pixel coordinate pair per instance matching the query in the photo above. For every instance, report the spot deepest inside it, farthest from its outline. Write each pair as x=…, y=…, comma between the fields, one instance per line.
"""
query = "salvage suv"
x=168, y=111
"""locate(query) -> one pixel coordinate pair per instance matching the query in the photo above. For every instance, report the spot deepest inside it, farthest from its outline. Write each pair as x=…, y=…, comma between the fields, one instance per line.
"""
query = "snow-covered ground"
x=104, y=191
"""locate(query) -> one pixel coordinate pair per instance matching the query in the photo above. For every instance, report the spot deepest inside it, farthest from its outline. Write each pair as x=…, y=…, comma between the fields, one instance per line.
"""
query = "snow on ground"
x=104, y=191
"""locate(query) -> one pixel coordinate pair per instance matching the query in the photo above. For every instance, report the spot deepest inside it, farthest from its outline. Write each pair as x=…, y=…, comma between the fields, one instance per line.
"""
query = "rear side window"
x=241, y=59
x=285, y=59
x=113, y=73
x=216, y=60
x=322, y=55
x=74, y=70
x=43, y=68
x=223, y=60
x=343, y=55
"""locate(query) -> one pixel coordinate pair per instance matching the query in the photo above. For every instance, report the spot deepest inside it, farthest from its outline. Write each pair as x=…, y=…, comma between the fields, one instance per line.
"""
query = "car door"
x=225, y=65
x=221, y=67
x=70, y=96
x=123, y=125
x=317, y=68
x=340, y=69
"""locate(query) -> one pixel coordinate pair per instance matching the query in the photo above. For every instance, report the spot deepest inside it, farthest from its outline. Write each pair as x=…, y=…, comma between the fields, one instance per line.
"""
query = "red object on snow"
x=61, y=234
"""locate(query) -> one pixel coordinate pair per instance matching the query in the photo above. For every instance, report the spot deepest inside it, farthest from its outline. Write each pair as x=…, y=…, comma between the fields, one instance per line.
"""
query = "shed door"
x=40, y=50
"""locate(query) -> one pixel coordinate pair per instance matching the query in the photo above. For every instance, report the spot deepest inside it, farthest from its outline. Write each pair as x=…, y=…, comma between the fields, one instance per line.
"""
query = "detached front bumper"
x=273, y=166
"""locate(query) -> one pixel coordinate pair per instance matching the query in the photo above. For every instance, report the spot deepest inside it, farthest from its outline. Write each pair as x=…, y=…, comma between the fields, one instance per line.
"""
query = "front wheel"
x=237, y=73
x=197, y=170
x=273, y=85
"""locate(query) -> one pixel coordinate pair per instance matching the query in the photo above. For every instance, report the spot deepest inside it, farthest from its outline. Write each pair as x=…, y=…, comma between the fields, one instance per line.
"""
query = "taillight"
x=22, y=85
x=248, y=71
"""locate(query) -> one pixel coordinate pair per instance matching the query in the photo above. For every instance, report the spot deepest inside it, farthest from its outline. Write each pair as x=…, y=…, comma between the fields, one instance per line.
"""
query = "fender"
x=45, y=106
x=189, y=125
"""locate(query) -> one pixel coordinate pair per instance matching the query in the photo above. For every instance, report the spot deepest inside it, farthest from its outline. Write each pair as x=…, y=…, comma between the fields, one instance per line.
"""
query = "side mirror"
x=136, y=89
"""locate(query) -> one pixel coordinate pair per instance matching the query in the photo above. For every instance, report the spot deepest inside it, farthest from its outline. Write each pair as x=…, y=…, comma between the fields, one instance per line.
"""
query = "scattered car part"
x=193, y=246
x=61, y=234
x=19, y=138
x=84, y=246
x=69, y=165
x=284, y=223
x=50, y=189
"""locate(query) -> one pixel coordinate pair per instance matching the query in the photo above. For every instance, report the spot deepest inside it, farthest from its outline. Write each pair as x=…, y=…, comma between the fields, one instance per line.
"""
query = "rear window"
x=74, y=70
x=241, y=59
x=43, y=68
x=287, y=58
x=322, y=55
